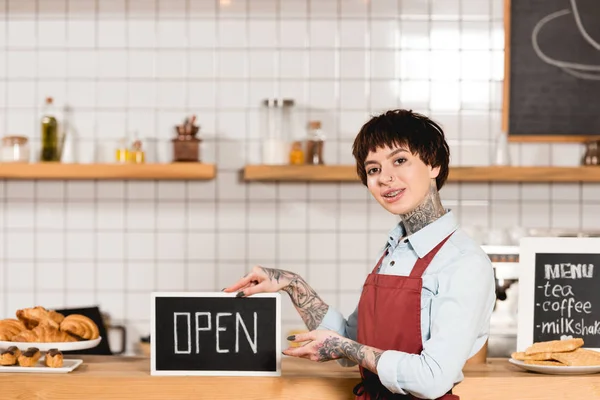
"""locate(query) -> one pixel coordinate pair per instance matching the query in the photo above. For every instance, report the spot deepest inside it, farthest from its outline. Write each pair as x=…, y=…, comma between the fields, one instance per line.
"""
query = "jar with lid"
x=15, y=149
x=314, y=143
x=591, y=156
x=276, y=130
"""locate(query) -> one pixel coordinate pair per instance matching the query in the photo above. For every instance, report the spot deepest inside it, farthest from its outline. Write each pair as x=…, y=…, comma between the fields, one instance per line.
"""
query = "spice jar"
x=15, y=149
x=296, y=154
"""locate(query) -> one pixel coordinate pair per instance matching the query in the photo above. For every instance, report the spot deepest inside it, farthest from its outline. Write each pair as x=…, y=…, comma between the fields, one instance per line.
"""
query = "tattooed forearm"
x=335, y=348
x=428, y=211
x=308, y=303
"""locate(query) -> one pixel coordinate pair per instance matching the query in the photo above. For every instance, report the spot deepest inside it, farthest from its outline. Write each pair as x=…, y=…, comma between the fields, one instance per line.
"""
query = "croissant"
x=9, y=328
x=35, y=316
x=43, y=334
x=81, y=326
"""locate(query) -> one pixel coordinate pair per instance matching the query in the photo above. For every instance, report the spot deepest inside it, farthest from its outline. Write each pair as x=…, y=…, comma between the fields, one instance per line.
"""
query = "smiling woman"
x=402, y=158
x=425, y=308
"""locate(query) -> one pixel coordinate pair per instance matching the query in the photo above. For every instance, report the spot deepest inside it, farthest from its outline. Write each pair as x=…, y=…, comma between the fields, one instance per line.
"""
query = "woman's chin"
x=397, y=208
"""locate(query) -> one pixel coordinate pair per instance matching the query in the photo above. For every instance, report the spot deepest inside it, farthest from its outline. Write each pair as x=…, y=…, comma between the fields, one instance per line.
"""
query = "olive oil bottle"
x=49, y=134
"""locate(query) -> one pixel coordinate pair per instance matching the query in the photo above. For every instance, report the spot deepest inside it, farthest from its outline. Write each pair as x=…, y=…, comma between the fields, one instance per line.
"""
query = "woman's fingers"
x=302, y=351
x=259, y=287
x=242, y=283
x=302, y=337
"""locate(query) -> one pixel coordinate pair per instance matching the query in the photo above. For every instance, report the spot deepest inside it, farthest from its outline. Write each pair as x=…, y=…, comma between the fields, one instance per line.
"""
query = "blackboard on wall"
x=215, y=334
x=559, y=290
x=552, y=76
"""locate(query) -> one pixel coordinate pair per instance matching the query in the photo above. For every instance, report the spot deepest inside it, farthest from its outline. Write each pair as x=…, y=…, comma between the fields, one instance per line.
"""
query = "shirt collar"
x=425, y=239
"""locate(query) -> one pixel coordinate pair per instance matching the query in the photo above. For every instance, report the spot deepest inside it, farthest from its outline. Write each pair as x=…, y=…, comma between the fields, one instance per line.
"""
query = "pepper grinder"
x=186, y=146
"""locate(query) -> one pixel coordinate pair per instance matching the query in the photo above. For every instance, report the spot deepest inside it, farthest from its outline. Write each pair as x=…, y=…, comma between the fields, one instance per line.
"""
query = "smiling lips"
x=392, y=195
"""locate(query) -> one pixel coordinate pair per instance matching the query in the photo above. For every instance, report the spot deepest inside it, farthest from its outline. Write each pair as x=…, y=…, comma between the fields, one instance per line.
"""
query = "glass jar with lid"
x=15, y=149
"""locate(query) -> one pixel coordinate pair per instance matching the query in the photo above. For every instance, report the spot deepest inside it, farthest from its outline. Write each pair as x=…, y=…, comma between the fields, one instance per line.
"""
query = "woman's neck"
x=428, y=211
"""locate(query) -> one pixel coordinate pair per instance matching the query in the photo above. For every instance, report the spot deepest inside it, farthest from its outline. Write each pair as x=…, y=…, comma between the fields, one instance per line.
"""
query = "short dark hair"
x=420, y=134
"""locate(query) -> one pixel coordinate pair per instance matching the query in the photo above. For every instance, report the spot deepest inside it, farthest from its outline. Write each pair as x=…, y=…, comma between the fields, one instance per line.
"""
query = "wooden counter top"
x=102, y=377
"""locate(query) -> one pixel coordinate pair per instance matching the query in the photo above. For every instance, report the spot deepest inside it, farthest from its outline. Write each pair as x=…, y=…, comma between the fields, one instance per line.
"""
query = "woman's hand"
x=269, y=280
x=323, y=345
x=262, y=280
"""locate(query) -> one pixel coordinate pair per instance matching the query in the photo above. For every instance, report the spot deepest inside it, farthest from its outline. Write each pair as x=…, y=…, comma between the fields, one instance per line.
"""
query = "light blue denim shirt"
x=456, y=306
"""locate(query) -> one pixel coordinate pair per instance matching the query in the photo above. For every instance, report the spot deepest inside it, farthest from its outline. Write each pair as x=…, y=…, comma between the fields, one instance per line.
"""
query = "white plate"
x=62, y=346
x=548, y=369
x=68, y=366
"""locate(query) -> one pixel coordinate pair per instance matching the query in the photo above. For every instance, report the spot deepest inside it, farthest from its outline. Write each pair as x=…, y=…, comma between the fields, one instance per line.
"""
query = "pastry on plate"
x=80, y=326
x=9, y=356
x=35, y=316
x=10, y=328
x=29, y=357
x=54, y=358
x=44, y=334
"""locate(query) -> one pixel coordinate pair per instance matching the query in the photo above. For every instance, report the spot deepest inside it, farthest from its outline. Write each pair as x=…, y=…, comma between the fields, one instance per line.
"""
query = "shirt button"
x=392, y=262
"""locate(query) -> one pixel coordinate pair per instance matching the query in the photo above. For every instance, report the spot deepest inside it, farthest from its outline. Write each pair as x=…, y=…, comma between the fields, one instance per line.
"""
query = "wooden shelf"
x=347, y=173
x=58, y=171
x=294, y=173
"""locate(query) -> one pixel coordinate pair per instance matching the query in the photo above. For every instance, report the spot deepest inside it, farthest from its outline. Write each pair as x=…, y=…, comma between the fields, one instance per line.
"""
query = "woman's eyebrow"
x=392, y=154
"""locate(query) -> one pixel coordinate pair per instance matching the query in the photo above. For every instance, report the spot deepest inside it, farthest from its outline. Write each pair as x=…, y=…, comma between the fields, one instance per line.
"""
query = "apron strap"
x=422, y=263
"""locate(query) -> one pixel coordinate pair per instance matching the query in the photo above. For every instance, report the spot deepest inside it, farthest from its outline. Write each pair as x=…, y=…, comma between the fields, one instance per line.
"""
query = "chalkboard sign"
x=215, y=334
x=552, y=81
x=559, y=290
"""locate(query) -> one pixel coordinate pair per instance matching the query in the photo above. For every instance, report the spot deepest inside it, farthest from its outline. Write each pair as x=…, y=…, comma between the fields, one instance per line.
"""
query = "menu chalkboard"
x=215, y=334
x=559, y=290
x=567, y=297
x=552, y=76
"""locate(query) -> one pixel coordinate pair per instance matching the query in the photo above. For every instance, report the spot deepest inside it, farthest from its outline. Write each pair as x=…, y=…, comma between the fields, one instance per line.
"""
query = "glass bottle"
x=502, y=156
x=137, y=155
x=314, y=144
x=49, y=133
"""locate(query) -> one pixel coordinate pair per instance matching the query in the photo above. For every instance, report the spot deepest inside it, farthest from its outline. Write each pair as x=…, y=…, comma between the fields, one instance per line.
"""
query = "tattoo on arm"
x=335, y=348
x=308, y=303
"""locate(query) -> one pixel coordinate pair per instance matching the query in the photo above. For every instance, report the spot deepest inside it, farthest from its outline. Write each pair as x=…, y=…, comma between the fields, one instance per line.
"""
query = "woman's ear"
x=434, y=172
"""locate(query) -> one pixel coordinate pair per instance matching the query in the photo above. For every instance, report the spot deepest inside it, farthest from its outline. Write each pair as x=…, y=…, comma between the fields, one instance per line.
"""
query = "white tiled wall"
x=126, y=66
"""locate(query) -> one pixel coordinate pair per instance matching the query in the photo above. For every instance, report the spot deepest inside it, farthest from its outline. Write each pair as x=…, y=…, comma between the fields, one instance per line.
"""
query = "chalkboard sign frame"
x=278, y=354
x=506, y=89
x=529, y=248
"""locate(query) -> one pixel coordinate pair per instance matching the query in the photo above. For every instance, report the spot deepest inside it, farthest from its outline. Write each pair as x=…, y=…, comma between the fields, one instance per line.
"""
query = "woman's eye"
x=400, y=161
x=371, y=171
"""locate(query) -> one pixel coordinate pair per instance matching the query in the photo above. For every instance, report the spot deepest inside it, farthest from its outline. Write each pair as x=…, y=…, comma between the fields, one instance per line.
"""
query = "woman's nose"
x=385, y=177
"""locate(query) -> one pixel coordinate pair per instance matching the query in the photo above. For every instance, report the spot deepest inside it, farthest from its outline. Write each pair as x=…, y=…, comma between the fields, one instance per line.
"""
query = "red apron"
x=389, y=318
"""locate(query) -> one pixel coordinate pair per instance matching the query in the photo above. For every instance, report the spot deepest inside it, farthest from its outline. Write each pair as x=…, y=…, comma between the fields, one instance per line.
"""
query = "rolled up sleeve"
x=458, y=314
